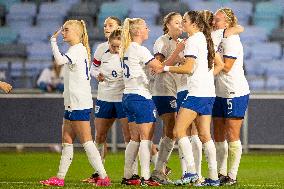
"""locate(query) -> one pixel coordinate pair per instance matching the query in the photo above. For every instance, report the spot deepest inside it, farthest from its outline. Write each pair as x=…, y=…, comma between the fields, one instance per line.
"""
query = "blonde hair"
x=130, y=25
x=231, y=19
x=82, y=29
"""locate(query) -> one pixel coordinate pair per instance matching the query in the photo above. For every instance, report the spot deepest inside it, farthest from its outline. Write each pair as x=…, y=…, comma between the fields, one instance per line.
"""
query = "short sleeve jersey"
x=134, y=62
x=77, y=89
x=201, y=81
x=232, y=84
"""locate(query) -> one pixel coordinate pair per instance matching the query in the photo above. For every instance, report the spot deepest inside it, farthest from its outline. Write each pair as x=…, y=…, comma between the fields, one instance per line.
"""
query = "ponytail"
x=126, y=37
x=198, y=19
x=130, y=25
x=85, y=40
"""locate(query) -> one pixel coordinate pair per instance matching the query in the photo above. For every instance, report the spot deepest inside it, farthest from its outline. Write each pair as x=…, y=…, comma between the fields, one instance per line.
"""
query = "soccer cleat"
x=229, y=181
x=186, y=179
x=222, y=178
x=103, y=181
x=209, y=182
x=92, y=179
x=160, y=177
x=149, y=182
x=134, y=180
x=53, y=181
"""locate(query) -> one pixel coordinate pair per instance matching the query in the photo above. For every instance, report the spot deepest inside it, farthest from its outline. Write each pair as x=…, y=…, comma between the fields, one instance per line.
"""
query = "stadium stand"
x=26, y=25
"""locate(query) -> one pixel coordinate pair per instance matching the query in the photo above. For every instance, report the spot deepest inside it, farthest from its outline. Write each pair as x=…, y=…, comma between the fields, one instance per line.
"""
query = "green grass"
x=24, y=170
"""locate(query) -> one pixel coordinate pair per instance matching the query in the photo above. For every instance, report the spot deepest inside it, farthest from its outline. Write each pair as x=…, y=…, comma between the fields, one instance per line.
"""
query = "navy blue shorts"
x=165, y=104
x=230, y=107
x=181, y=96
x=108, y=110
x=138, y=109
x=77, y=115
x=201, y=105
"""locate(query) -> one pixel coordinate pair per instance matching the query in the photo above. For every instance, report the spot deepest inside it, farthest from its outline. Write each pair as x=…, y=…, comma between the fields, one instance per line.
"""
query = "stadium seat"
x=272, y=83
x=7, y=35
x=256, y=84
x=9, y=3
x=39, y=51
x=277, y=35
x=33, y=35
x=175, y=6
x=21, y=14
x=146, y=10
x=249, y=35
x=266, y=51
x=275, y=68
x=107, y=9
x=13, y=50
x=267, y=15
x=243, y=10
x=205, y=5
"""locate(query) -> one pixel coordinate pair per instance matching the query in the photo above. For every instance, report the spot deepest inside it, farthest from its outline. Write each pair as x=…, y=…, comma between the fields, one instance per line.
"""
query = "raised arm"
x=234, y=30
x=59, y=58
x=172, y=60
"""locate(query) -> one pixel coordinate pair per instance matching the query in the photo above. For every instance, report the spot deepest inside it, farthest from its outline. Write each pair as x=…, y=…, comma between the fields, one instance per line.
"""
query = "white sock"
x=101, y=149
x=186, y=148
x=222, y=156
x=145, y=150
x=131, y=153
x=235, y=154
x=182, y=162
x=66, y=160
x=154, y=159
x=197, y=153
x=135, y=165
x=95, y=158
x=210, y=154
x=166, y=148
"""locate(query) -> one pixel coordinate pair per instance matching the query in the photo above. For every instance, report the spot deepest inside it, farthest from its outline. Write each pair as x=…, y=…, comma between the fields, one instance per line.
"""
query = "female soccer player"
x=137, y=99
x=199, y=54
x=232, y=92
x=77, y=101
x=167, y=49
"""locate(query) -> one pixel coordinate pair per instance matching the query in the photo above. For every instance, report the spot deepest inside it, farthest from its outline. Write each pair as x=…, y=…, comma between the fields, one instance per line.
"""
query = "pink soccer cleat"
x=103, y=181
x=53, y=181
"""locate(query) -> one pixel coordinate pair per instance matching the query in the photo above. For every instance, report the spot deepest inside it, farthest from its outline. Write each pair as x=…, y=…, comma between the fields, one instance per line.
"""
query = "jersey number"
x=125, y=67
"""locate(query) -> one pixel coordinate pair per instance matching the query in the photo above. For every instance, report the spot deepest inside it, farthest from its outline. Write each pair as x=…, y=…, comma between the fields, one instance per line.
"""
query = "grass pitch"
x=25, y=170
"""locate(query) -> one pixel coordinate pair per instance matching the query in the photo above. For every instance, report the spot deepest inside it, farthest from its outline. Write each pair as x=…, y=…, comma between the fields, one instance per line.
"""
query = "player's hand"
x=6, y=87
x=180, y=45
x=55, y=34
x=100, y=77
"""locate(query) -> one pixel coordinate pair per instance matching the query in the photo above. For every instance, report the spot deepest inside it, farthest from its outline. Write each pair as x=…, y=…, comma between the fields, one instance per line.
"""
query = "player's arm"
x=156, y=65
x=228, y=63
x=234, y=30
x=218, y=64
x=6, y=87
x=185, y=68
x=172, y=60
x=60, y=59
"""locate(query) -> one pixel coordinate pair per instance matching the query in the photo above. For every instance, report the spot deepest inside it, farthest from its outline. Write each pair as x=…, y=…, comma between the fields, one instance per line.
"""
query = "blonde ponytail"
x=126, y=37
x=85, y=39
x=130, y=25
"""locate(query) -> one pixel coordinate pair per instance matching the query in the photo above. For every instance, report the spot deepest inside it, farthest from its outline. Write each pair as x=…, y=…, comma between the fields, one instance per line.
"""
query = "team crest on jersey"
x=173, y=103
x=97, y=109
x=220, y=48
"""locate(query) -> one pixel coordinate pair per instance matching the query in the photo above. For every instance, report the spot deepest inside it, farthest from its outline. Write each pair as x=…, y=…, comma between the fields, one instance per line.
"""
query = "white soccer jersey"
x=233, y=83
x=164, y=84
x=134, y=64
x=201, y=81
x=77, y=89
x=217, y=37
x=111, y=89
